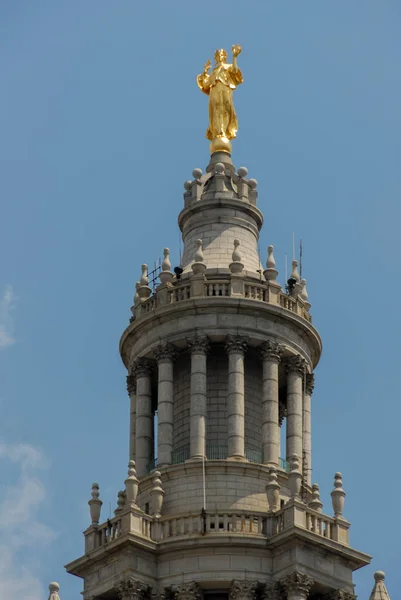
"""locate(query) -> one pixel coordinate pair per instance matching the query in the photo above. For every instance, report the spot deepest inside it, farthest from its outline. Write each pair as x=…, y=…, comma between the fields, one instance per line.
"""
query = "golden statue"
x=219, y=86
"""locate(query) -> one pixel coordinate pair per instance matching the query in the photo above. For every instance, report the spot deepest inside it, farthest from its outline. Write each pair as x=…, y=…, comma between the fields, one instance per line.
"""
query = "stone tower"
x=219, y=357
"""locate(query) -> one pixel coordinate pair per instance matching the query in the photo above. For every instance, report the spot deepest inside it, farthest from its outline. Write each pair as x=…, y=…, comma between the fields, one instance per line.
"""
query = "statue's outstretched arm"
x=203, y=78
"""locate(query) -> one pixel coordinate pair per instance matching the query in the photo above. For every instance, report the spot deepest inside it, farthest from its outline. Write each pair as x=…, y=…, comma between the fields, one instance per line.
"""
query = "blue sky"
x=101, y=124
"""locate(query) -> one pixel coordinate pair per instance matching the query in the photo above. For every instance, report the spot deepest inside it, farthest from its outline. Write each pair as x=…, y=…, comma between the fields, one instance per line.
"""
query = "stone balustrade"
x=226, y=285
x=294, y=514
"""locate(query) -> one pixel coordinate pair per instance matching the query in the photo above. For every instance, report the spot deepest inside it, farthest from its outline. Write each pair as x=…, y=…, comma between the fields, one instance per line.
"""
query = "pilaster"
x=198, y=346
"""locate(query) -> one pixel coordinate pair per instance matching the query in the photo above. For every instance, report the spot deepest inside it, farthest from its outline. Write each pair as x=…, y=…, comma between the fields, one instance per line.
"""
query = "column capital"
x=131, y=384
x=309, y=383
x=273, y=592
x=199, y=344
x=297, y=583
x=340, y=595
x=142, y=367
x=165, y=352
x=187, y=591
x=271, y=351
x=236, y=343
x=132, y=589
x=243, y=590
x=295, y=364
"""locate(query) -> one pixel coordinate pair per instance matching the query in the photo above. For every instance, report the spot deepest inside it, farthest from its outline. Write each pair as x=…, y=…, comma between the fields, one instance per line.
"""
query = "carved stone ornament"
x=236, y=343
x=165, y=352
x=341, y=595
x=297, y=583
x=143, y=368
x=187, y=591
x=198, y=344
x=309, y=383
x=243, y=590
x=271, y=351
x=132, y=589
x=273, y=592
x=158, y=594
x=131, y=384
x=295, y=364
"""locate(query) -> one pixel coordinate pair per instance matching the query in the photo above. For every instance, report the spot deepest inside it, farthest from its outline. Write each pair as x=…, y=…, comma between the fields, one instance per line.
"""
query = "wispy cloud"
x=21, y=531
x=6, y=318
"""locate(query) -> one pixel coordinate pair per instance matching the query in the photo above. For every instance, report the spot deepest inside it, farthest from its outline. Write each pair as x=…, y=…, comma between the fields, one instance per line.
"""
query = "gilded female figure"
x=219, y=86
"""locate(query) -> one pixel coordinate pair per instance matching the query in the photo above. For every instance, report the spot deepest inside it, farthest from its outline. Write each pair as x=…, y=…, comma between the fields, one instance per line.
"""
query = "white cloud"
x=6, y=319
x=21, y=531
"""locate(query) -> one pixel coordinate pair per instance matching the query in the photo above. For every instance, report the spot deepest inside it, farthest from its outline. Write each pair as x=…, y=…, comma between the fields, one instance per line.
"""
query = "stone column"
x=236, y=347
x=295, y=374
x=165, y=362
x=198, y=403
x=297, y=586
x=131, y=389
x=271, y=356
x=132, y=589
x=187, y=591
x=307, y=428
x=144, y=417
x=243, y=590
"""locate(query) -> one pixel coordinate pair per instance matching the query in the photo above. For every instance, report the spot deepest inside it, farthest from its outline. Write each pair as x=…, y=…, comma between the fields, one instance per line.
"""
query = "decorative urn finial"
x=156, y=494
x=236, y=266
x=270, y=272
x=54, y=590
x=144, y=290
x=316, y=503
x=273, y=491
x=95, y=504
x=294, y=477
x=198, y=266
x=166, y=275
x=338, y=495
x=131, y=484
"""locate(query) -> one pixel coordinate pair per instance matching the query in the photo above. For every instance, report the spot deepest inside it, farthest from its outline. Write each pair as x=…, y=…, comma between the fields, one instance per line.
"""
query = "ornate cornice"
x=236, y=343
x=165, y=352
x=131, y=384
x=198, y=344
x=243, y=590
x=143, y=368
x=295, y=364
x=309, y=383
x=132, y=589
x=271, y=351
x=341, y=595
x=297, y=583
x=187, y=591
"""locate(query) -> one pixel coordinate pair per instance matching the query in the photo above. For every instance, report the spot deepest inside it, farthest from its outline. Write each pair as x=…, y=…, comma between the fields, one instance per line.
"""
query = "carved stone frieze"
x=187, y=591
x=132, y=589
x=243, y=590
x=295, y=364
x=271, y=351
x=198, y=344
x=236, y=343
x=165, y=352
x=297, y=583
x=309, y=383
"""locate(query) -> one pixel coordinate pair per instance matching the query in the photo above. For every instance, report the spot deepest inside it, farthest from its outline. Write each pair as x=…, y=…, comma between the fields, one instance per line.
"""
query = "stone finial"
x=316, y=503
x=270, y=272
x=187, y=185
x=197, y=174
x=294, y=272
x=379, y=591
x=95, y=504
x=338, y=495
x=304, y=292
x=294, y=477
x=273, y=491
x=54, y=589
x=137, y=296
x=242, y=172
x=131, y=484
x=144, y=290
x=165, y=274
x=198, y=266
x=156, y=494
x=236, y=266
x=253, y=184
x=120, y=502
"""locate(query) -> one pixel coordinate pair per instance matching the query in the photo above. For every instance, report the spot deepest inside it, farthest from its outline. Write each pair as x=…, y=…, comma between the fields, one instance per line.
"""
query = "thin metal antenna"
x=293, y=246
x=300, y=259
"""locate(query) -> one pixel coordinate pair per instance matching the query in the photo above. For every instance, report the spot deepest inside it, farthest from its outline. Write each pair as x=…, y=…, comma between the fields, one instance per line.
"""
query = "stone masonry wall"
x=182, y=393
x=217, y=390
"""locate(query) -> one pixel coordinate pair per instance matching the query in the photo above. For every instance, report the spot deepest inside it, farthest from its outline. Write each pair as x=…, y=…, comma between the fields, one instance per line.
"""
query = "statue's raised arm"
x=219, y=85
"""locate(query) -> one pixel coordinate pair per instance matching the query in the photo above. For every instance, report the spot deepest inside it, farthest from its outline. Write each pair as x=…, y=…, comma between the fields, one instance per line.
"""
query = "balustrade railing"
x=256, y=292
x=182, y=292
x=109, y=531
x=206, y=522
x=217, y=288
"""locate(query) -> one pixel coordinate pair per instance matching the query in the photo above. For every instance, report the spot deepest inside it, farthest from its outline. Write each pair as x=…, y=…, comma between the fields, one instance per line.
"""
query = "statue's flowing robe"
x=219, y=86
